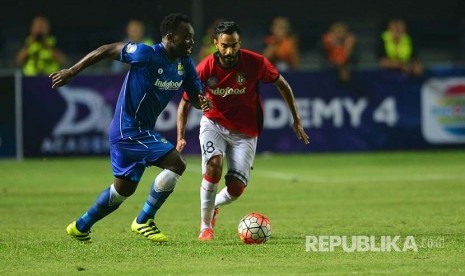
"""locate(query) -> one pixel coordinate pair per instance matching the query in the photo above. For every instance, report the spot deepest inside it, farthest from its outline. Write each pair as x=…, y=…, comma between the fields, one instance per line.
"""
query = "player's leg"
x=107, y=202
x=173, y=166
x=208, y=190
x=213, y=147
x=127, y=175
x=233, y=190
x=162, y=154
x=240, y=155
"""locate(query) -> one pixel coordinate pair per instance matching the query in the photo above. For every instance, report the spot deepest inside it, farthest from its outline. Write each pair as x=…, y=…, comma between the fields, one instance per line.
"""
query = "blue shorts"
x=130, y=157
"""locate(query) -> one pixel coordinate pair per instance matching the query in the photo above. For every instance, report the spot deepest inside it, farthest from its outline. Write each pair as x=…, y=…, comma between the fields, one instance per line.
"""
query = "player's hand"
x=300, y=132
x=180, y=145
x=205, y=103
x=60, y=78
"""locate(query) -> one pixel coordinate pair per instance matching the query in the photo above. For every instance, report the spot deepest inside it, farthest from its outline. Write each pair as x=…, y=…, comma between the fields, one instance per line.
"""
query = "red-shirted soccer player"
x=230, y=129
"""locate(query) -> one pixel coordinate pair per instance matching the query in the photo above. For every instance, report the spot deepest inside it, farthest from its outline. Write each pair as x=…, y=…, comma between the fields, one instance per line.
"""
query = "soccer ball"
x=254, y=228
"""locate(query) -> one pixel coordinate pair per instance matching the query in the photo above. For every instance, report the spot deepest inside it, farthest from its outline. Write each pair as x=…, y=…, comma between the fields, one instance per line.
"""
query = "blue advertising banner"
x=376, y=110
x=7, y=117
x=70, y=120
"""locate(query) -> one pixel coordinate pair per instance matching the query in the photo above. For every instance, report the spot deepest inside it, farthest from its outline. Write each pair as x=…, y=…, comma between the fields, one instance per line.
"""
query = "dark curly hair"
x=170, y=23
x=227, y=27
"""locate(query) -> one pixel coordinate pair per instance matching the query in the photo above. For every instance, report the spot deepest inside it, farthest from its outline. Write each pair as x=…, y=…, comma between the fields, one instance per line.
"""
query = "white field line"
x=345, y=179
x=356, y=179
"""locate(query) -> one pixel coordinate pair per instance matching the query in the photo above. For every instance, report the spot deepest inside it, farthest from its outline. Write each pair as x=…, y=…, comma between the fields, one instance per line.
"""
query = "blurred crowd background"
x=436, y=28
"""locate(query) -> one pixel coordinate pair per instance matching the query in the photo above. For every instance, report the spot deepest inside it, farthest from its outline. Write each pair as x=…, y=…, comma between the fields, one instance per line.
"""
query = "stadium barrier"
x=376, y=110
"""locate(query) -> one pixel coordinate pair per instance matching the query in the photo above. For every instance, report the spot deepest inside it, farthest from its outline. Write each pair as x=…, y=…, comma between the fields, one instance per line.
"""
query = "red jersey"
x=236, y=102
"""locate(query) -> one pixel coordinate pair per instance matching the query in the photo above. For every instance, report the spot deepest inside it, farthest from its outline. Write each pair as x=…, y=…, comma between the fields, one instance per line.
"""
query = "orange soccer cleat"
x=206, y=235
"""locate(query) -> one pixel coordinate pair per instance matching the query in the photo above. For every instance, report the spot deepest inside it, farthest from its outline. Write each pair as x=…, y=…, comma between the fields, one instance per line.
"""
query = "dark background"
x=437, y=27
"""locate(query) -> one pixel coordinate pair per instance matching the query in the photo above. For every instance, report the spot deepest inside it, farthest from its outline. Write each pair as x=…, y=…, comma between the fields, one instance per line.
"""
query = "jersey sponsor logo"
x=168, y=85
x=131, y=48
x=160, y=71
x=240, y=78
x=223, y=92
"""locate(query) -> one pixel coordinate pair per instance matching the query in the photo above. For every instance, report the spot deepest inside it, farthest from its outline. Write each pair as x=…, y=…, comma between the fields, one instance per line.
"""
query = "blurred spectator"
x=282, y=46
x=39, y=55
x=339, y=49
x=208, y=47
x=396, y=49
x=135, y=32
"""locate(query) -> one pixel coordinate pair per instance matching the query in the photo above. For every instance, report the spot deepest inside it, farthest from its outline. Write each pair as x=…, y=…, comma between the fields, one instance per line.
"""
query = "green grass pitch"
x=419, y=194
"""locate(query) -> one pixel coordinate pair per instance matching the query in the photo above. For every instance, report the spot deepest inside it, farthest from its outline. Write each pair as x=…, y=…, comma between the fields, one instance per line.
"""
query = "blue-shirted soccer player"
x=156, y=74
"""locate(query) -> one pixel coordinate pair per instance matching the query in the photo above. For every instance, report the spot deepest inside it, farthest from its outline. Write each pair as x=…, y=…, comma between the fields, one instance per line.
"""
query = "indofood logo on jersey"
x=168, y=85
x=443, y=110
x=223, y=92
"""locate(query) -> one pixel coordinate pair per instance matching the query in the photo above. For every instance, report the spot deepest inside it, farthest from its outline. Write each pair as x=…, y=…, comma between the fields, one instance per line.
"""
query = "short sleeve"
x=185, y=97
x=192, y=84
x=135, y=53
x=268, y=72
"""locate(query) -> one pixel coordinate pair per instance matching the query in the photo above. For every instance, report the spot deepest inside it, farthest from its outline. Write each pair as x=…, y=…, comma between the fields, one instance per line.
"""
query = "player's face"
x=183, y=40
x=228, y=46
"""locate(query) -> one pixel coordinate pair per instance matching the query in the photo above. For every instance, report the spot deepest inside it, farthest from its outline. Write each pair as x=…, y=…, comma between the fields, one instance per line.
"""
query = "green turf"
x=420, y=194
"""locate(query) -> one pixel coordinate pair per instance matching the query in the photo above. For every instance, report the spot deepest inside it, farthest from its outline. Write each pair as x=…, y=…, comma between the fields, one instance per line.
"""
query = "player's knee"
x=234, y=186
x=166, y=180
x=178, y=166
x=236, y=190
x=125, y=187
x=181, y=166
x=215, y=167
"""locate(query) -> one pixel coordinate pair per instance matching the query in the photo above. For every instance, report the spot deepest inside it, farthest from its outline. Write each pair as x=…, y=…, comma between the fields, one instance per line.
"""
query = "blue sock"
x=154, y=201
x=161, y=189
x=108, y=201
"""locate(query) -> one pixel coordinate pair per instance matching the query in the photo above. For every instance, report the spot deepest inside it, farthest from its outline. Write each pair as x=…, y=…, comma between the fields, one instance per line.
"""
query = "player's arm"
x=286, y=92
x=183, y=113
x=111, y=51
x=193, y=88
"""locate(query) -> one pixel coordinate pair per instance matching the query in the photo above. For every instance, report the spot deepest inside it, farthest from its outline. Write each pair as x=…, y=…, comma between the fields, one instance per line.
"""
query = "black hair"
x=170, y=23
x=227, y=27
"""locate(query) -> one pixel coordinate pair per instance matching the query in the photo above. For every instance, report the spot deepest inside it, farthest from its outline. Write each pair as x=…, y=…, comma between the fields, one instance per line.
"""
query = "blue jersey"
x=150, y=84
